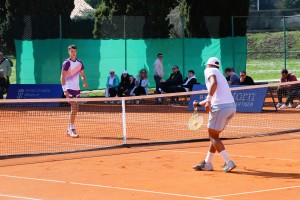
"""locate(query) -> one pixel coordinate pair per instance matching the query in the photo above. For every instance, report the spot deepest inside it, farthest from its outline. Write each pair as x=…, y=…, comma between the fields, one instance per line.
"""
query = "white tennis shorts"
x=220, y=116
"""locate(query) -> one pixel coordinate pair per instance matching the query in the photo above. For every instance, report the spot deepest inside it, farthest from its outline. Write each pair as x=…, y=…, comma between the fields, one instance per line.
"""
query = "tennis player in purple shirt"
x=71, y=69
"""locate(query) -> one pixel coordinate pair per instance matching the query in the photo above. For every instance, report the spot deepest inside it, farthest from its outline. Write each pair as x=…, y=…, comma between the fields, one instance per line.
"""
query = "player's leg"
x=74, y=110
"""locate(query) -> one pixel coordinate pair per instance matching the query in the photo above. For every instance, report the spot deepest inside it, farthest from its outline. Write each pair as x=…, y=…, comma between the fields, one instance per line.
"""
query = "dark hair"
x=72, y=46
x=243, y=72
x=191, y=71
x=228, y=70
x=146, y=74
x=176, y=66
x=159, y=54
x=284, y=71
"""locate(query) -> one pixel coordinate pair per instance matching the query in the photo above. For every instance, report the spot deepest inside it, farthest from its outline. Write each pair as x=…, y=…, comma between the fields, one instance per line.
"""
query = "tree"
x=42, y=15
x=199, y=14
x=94, y=3
x=110, y=21
x=291, y=4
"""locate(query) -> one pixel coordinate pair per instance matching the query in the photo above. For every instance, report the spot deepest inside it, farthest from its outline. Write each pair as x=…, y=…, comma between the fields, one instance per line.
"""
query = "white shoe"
x=72, y=133
x=112, y=102
x=290, y=105
x=203, y=166
x=298, y=106
x=137, y=102
x=279, y=105
x=283, y=106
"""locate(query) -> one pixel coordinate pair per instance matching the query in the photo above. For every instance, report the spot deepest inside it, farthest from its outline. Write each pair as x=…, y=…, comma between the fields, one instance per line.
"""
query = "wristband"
x=64, y=88
x=208, y=98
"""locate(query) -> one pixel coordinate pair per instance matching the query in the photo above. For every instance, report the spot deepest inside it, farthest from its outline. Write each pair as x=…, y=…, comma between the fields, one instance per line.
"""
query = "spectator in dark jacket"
x=245, y=80
x=3, y=83
x=124, y=84
x=187, y=84
x=174, y=80
x=289, y=90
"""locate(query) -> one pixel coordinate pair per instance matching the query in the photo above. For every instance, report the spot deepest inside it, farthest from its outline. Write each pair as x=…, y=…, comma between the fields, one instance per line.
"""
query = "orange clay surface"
x=268, y=168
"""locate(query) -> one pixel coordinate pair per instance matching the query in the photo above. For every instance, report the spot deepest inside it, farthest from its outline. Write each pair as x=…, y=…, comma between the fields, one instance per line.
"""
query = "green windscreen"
x=39, y=61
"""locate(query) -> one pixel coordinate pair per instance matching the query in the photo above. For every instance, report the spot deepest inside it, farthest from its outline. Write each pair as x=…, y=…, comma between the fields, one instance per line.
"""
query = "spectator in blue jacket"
x=112, y=84
x=233, y=78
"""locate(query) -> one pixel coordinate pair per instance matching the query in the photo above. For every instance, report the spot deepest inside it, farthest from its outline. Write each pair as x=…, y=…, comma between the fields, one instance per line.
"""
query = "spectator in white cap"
x=112, y=84
x=123, y=89
x=3, y=83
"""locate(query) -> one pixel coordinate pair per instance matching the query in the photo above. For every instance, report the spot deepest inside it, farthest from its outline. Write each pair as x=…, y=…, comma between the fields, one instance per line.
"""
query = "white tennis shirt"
x=73, y=69
x=223, y=93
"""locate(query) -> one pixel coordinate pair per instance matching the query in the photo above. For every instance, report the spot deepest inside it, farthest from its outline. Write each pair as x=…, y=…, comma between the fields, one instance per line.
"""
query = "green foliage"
x=156, y=24
x=94, y=3
x=291, y=4
x=199, y=14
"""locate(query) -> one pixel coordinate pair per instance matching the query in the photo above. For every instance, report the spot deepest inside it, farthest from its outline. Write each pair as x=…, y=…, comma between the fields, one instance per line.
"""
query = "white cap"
x=111, y=70
x=213, y=61
x=124, y=72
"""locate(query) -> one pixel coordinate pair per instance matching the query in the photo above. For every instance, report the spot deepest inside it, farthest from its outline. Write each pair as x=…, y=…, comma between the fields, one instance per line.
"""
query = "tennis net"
x=38, y=126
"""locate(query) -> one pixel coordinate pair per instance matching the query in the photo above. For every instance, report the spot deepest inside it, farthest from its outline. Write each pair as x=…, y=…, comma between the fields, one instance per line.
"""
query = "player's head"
x=213, y=62
x=175, y=69
x=191, y=73
x=72, y=49
x=160, y=56
x=284, y=73
x=228, y=71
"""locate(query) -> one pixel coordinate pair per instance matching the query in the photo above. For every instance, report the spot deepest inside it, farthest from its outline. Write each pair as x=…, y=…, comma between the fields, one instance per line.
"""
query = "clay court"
x=265, y=151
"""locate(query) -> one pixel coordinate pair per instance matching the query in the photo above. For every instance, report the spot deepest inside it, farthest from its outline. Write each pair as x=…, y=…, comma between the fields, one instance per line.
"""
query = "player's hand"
x=202, y=103
x=207, y=106
x=67, y=95
x=85, y=85
x=195, y=104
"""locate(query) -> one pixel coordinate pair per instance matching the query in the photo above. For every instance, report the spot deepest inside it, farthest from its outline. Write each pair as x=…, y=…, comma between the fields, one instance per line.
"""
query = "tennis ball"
x=120, y=136
x=85, y=85
x=195, y=123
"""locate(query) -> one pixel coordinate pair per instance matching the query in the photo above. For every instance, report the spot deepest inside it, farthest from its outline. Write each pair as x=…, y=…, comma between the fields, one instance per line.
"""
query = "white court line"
x=17, y=197
x=110, y=187
x=240, y=156
x=257, y=191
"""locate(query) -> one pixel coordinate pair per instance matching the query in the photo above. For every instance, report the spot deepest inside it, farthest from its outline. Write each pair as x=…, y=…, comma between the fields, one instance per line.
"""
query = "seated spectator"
x=124, y=84
x=234, y=79
x=141, y=84
x=245, y=80
x=131, y=84
x=112, y=84
x=187, y=84
x=3, y=84
x=289, y=90
x=175, y=79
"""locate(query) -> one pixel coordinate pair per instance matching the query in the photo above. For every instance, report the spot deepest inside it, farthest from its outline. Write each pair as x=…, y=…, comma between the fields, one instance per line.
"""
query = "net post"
x=124, y=122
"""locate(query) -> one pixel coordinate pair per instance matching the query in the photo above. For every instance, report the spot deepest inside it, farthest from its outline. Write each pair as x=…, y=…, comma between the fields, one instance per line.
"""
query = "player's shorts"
x=220, y=116
x=74, y=93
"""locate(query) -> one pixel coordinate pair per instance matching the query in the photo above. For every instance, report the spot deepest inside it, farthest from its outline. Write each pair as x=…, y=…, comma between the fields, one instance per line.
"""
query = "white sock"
x=71, y=126
x=225, y=156
x=209, y=157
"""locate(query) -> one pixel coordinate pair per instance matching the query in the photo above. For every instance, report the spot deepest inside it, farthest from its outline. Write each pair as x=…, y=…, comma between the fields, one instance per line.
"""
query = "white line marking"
x=240, y=156
x=17, y=197
x=109, y=187
x=257, y=191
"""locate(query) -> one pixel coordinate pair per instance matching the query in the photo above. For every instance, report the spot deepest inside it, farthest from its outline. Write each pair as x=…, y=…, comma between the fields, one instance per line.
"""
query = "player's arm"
x=211, y=91
x=63, y=82
x=83, y=78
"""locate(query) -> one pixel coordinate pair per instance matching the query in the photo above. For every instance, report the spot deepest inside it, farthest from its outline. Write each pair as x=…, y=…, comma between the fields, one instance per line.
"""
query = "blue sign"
x=247, y=100
x=35, y=91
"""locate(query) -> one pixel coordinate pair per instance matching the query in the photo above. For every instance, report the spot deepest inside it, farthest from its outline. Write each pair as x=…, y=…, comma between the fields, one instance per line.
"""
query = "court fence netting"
x=34, y=127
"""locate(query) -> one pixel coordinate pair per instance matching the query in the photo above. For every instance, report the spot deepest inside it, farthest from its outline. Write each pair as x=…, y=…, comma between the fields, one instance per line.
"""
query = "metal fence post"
x=183, y=46
x=60, y=38
x=125, y=39
x=232, y=39
x=284, y=40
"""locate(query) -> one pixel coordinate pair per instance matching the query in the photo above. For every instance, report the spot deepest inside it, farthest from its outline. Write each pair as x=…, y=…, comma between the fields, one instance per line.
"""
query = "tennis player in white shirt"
x=222, y=108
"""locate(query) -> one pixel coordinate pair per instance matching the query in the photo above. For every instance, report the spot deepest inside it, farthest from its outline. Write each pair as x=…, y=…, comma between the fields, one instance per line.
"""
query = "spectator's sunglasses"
x=112, y=72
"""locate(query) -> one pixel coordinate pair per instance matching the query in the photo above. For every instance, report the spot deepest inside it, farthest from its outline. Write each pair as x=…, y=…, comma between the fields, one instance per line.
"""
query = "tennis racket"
x=195, y=121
